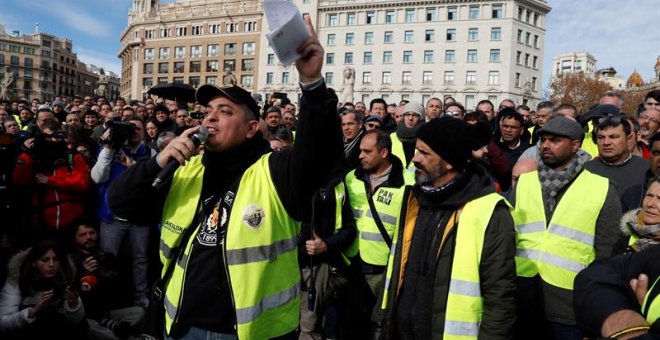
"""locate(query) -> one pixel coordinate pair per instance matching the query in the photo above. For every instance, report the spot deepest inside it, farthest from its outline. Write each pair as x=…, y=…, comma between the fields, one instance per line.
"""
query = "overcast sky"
x=623, y=34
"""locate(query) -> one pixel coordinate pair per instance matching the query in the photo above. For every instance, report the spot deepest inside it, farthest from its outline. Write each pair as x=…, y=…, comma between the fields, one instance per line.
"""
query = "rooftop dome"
x=635, y=80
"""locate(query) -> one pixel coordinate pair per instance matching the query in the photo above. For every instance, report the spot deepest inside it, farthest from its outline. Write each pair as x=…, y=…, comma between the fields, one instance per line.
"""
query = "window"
x=449, y=77
x=428, y=56
x=536, y=19
x=406, y=77
x=387, y=57
x=494, y=78
x=147, y=82
x=165, y=32
x=351, y=18
x=181, y=31
x=471, y=78
x=330, y=58
x=410, y=15
x=451, y=34
x=536, y=41
x=431, y=14
x=214, y=29
x=148, y=54
x=195, y=51
x=249, y=26
x=450, y=56
x=148, y=68
x=529, y=16
x=371, y=17
x=429, y=35
x=452, y=13
x=366, y=77
x=527, y=38
x=249, y=48
x=247, y=65
x=535, y=61
x=285, y=77
x=329, y=78
x=496, y=33
x=178, y=67
x=348, y=58
x=427, y=78
x=332, y=20
x=350, y=38
x=520, y=13
x=495, y=55
x=162, y=80
x=230, y=49
x=368, y=58
x=533, y=83
x=526, y=59
x=269, y=78
x=162, y=67
x=518, y=57
x=179, y=52
x=148, y=34
x=212, y=50
x=164, y=52
x=472, y=56
x=408, y=36
x=473, y=34
x=331, y=39
x=197, y=30
x=211, y=66
x=520, y=36
x=229, y=64
x=407, y=57
x=474, y=12
x=578, y=64
x=497, y=11
x=517, y=81
x=389, y=37
x=211, y=80
x=246, y=81
x=195, y=67
x=368, y=38
x=386, y=78
x=271, y=59
x=389, y=17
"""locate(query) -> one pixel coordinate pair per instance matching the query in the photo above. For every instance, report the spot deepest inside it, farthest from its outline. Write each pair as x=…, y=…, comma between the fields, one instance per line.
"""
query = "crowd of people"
x=328, y=220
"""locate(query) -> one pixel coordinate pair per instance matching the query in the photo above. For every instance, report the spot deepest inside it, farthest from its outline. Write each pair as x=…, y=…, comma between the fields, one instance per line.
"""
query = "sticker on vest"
x=253, y=216
x=208, y=233
x=385, y=197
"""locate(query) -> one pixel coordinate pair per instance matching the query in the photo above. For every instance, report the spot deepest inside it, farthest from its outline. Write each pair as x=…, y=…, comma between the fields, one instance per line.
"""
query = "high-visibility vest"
x=340, y=198
x=566, y=246
x=408, y=169
x=651, y=309
x=259, y=250
x=588, y=144
x=387, y=200
x=464, y=303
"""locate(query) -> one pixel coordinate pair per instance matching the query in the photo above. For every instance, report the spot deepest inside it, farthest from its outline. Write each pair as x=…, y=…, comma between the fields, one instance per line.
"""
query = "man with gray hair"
x=163, y=139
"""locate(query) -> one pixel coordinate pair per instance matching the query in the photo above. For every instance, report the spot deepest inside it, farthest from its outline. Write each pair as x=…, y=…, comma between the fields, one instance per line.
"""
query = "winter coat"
x=60, y=201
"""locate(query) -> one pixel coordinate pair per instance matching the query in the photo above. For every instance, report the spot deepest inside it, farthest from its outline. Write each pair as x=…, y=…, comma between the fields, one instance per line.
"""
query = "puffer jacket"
x=59, y=202
x=15, y=307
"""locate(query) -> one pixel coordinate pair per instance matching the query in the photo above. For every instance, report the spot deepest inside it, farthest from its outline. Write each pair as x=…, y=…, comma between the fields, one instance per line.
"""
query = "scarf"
x=647, y=234
x=348, y=146
x=406, y=134
x=552, y=181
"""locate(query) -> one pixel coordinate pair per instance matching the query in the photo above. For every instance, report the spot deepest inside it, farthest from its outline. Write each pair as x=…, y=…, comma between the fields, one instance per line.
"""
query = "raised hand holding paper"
x=287, y=29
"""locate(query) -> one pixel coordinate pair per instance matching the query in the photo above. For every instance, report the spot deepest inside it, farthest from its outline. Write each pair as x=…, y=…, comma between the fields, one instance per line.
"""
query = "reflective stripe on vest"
x=261, y=241
x=651, y=310
x=557, y=253
x=464, y=302
x=387, y=200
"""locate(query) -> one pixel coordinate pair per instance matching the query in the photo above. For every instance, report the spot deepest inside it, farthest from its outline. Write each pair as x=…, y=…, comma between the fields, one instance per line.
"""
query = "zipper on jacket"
x=183, y=279
x=223, y=249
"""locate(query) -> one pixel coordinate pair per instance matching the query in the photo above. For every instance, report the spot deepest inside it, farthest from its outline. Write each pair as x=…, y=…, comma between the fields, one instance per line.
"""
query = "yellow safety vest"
x=588, y=144
x=260, y=250
x=387, y=200
x=408, y=169
x=651, y=309
x=464, y=303
x=559, y=250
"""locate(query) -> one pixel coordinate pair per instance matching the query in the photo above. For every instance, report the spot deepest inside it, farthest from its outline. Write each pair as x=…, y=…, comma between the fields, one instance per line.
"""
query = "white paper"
x=287, y=29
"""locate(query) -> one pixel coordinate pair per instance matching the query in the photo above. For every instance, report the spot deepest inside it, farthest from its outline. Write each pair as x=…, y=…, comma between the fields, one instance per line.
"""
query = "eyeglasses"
x=372, y=125
x=411, y=114
x=454, y=113
x=610, y=119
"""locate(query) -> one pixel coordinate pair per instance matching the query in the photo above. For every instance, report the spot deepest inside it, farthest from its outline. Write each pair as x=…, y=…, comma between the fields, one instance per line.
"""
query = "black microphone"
x=167, y=172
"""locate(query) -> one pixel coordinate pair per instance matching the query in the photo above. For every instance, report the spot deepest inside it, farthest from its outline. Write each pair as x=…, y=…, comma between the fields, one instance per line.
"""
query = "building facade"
x=193, y=42
x=573, y=62
x=415, y=50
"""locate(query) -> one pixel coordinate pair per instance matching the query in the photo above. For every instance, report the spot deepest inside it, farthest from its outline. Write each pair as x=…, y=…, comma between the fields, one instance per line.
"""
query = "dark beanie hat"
x=452, y=139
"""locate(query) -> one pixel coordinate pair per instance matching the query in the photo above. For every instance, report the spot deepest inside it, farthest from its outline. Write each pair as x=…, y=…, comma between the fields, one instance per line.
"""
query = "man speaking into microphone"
x=237, y=275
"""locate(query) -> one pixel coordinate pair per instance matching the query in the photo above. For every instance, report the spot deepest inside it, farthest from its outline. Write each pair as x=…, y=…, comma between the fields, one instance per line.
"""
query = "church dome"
x=635, y=80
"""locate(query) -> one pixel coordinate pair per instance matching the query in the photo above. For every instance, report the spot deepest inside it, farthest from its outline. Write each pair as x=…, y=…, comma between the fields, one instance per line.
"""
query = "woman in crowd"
x=151, y=137
x=39, y=299
x=641, y=227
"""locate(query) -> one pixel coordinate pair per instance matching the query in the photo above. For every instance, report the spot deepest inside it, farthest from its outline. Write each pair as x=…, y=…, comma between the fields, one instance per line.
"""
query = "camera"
x=60, y=287
x=197, y=115
x=104, y=260
x=120, y=132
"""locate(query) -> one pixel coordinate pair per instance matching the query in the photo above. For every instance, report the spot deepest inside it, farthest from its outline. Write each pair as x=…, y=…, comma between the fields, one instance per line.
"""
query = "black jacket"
x=419, y=309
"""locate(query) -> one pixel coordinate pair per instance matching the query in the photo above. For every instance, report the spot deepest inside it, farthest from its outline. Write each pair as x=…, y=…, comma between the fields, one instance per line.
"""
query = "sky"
x=621, y=34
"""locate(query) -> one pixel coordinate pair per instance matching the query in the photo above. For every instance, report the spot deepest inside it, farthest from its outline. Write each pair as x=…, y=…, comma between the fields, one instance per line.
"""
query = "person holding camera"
x=56, y=178
x=103, y=290
x=39, y=299
x=123, y=146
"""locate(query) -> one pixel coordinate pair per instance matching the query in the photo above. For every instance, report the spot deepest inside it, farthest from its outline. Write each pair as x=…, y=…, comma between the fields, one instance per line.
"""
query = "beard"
x=427, y=176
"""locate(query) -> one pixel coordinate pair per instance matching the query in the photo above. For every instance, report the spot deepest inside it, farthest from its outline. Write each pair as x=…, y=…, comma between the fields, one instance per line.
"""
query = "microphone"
x=167, y=172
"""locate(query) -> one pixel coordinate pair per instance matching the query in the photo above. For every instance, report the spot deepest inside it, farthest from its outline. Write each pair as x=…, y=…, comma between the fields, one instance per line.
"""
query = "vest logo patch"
x=253, y=216
x=208, y=233
x=385, y=197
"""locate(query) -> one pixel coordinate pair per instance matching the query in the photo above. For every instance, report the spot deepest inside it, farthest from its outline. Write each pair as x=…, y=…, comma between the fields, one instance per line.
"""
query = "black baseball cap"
x=234, y=93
